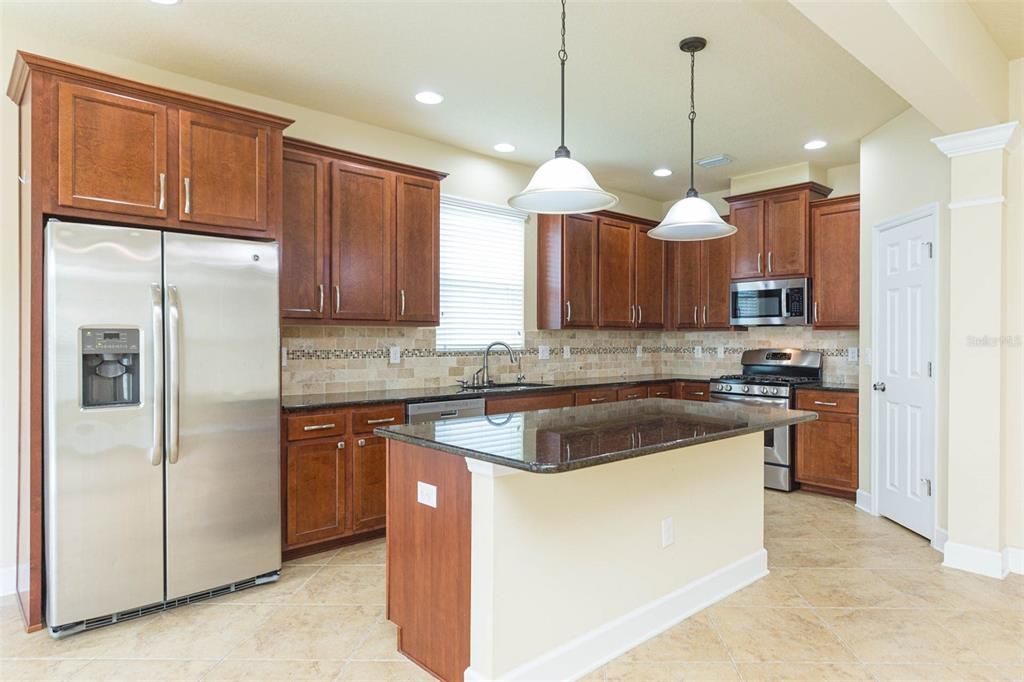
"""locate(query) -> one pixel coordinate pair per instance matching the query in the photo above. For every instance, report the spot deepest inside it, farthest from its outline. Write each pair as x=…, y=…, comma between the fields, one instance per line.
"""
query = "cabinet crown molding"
x=978, y=140
x=296, y=144
x=813, y=187
x=26, y=62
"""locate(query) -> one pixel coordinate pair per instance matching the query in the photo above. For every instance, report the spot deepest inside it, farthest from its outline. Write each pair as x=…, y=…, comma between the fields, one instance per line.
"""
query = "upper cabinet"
x=599, y=270
x=699, y=284
x=110, y=149
x=773, y=231
x=361, y=239
x=835, y=262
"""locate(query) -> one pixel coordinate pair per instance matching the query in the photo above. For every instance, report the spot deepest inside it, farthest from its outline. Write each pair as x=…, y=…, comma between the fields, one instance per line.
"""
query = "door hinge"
x=931, y=249
x=929, y=368
x=927, y=483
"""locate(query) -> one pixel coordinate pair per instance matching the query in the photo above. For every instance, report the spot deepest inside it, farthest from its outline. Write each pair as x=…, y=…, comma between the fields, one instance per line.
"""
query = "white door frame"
x=932, y=211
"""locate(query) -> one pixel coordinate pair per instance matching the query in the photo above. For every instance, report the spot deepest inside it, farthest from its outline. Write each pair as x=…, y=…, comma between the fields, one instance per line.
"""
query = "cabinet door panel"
x=686, y=285
x=748, y=241
x=362, y=234
x=303, y=237
x=835, y=248
x=616, y=264
x=223, y=165
x=716, y=299
x=369, y=477
x=418, y=250
x=315, y=492
x=112, y=152
x=786, y=238
x=826, y=452
x=579, y=271
x=650, y=281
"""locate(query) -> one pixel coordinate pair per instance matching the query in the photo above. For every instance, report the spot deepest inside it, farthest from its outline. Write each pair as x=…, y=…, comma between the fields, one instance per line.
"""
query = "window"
x=481, y=275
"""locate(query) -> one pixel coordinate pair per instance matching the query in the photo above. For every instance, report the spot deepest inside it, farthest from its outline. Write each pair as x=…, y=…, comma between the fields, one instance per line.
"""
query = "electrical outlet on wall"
x=284, y=356
x=698, y=351
x=720, y=351
x=543, y=352
x=395, y=355
x=639, y=351
x=852, y=354
x=566, y=352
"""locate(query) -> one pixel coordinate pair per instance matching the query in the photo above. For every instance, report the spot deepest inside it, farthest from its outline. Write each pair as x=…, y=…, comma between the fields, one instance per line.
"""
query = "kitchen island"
x=540, y=545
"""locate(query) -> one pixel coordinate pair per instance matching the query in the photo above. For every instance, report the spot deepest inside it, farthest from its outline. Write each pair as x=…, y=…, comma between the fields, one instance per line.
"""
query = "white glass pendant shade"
x=691, y=219
x=563, y=185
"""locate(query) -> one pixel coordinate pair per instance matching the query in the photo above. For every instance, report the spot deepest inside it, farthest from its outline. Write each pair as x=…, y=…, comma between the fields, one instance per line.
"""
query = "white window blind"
x=481, y=275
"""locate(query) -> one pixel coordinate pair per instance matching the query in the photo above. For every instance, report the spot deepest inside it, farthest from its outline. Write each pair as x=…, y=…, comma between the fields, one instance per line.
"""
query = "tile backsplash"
x=337, y=359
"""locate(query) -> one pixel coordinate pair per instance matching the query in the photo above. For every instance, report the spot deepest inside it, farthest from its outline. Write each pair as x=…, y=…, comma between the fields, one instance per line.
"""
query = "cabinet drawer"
x=596, y=395
x=365, y=420
x=633, y=393
x=659, y=390
x=691, y=390
x=321, y=425
x=827, y=401
x=524, y=403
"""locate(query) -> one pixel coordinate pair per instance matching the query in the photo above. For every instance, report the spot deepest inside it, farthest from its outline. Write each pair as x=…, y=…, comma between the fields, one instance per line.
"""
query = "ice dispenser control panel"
x=110, y=367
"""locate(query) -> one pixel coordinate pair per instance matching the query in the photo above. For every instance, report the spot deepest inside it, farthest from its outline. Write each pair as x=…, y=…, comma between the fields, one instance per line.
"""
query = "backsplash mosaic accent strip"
x=331, y=359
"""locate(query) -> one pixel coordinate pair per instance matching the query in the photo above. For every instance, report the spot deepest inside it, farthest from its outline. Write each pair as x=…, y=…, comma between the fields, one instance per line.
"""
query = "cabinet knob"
x=361, y=442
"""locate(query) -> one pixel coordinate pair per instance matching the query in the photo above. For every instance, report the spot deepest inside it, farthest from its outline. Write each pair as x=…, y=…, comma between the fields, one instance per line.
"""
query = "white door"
x=903, y=406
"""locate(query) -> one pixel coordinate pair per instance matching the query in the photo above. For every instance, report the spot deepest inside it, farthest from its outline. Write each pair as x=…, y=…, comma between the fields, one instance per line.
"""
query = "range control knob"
x=764, y=389
x=728, y=387
x=720, y=387
x=746, y=389
x=775, y=391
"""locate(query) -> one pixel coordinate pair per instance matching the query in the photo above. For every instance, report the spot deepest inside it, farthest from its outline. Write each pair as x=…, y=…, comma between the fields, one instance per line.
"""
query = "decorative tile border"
x=383, y=353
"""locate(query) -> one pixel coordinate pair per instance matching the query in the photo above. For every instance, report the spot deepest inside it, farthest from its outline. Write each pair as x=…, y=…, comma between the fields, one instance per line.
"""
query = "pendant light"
x=563, y=185
x=692, y=218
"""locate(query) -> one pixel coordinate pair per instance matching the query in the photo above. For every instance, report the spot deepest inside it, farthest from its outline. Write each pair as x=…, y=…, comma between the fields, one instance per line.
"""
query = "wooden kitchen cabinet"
x=631, y=393
x=381, y=237
x=692, y=390
x=528, y=403
x=650, y=280
x=566, y=271
x=616, y=273
x=659, y=390
x=369, y=483
x=699, y=284
x=825, y=451
x=315, y=475
x=835, y=262
x=772, y=239
x=593, y=396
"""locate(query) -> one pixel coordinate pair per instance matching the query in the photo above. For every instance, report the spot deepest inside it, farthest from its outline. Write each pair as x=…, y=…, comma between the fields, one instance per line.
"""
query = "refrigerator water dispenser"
x=110, y=367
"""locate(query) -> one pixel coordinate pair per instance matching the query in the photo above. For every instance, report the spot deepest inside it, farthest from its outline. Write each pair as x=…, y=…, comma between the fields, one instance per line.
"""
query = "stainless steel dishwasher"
x=417, y=413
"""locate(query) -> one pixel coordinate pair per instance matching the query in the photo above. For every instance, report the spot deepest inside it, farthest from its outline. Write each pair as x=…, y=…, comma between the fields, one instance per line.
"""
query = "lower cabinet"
x=691, y=390
x=826, y=450
x=522, y=403
x=369, y=483
x=315, y=491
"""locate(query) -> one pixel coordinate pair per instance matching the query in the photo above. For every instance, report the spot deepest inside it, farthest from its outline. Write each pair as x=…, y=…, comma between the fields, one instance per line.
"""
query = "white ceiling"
x=768, y=81
x=1004, y=21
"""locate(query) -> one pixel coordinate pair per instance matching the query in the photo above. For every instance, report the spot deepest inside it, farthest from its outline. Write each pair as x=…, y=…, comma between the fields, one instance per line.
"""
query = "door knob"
x=879, y=386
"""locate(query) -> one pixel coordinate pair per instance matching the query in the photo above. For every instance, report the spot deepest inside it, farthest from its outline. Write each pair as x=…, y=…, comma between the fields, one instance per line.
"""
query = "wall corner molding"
x=939, y=541
x=1015, y=559
x=864, y=502
x=978, y=560
x=978, y=140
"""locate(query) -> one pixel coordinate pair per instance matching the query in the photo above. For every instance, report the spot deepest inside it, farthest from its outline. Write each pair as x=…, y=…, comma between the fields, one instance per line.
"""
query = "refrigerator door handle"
x=173, y=371
x=156, y=454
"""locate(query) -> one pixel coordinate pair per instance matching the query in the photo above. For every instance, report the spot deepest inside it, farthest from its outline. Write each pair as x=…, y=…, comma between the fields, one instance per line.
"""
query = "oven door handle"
x=751, y=399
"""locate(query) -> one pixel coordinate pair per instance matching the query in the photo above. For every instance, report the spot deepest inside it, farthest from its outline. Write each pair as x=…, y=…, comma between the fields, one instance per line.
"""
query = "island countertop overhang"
x=570, y=438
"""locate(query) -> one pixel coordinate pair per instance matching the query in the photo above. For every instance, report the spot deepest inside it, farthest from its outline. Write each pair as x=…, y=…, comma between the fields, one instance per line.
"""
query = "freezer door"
x=102, y=441
x=223, y=412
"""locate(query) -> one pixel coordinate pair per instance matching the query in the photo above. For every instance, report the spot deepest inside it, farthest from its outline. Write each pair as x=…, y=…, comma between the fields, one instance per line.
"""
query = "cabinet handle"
x=705, y=314
x=320, y=309
x=631, y=396
x=697, y=393
x=825, y=403
x=317, y=427
x=657, y=393
x=640, y=315
x=337, y=298
x=769, y=261
x=568, y=311
x=341, y=445
x=815, y=311
x=694, y=316
x=188, y=196
x=361, y=442
x=632, y=314
x=759, y=261
x=163, y=191
x=386, y=420
x=598, y=400
x=401, y=302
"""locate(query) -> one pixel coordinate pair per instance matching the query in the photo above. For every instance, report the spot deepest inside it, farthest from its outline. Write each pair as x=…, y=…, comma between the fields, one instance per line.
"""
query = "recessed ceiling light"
x=816, y=144
x=166, y=2
x=428, y=97
x=504, y=147
x=662, y=172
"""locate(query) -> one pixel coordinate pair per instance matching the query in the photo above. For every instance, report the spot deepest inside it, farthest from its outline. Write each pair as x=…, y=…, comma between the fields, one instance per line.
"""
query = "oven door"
x=776, y=441
x=769, y=302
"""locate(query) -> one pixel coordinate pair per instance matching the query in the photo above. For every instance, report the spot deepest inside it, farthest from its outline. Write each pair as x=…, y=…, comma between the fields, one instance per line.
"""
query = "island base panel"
x=428, y=558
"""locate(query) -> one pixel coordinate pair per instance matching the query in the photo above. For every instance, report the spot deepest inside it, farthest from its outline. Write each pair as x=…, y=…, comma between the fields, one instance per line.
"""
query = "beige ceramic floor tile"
x=134, y=670
x=381, y=644
x=383, y=671
x=16, y=643
x=1013, y=673
x=864, y=553
x=310, y=632
x=321, y=559
x=277, y=592
x=849, y=587
x=772, y=590
x=923, y=672
x=365, y=553
x=668, y=671
x=897, y=636
x=952, y=589
x=789, y=527
x=39, y=670
x=802, y=553
x=343, y=585
x=767, y=634
x=272, y=671
x=777, y=672
x=996, y=636
x=692, y=640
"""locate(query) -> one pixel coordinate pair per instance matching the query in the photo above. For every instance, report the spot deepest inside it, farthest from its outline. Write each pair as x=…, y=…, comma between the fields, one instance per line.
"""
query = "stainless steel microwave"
x=770, y=302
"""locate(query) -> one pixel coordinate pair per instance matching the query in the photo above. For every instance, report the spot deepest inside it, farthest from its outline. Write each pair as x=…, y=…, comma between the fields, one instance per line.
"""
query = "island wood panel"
x=748, y=241
x=786, y=235
x=362, y=239
x=303, y=283
x=616, y=270
x=650, y=280
x=716, y=299
x=428, y=558
x=112, y=152
x=369, y=483
x=418, y=250
x=686, y=285
x=544, y=401
x=835, y=262
x=315, y=483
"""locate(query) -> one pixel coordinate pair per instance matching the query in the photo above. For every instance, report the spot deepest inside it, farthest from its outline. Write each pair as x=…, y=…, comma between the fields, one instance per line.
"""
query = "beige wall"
x=900, y=171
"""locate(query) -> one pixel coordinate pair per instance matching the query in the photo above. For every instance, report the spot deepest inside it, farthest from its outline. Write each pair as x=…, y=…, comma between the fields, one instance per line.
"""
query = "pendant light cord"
x=692, y=192
x=563, y=56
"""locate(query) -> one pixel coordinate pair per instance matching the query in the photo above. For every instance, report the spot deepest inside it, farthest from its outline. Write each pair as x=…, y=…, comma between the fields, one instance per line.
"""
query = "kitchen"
x=384, y=261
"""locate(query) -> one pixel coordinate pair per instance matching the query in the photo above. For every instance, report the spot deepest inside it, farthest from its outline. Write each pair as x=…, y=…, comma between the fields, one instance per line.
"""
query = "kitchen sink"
x=515, y=386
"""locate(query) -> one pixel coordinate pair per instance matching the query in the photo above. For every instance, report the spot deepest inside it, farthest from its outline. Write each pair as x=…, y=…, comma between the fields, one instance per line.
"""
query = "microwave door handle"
x=785, y=303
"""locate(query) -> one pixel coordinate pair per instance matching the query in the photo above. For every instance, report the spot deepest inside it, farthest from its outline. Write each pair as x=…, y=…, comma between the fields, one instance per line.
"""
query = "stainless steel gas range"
x=768, y=378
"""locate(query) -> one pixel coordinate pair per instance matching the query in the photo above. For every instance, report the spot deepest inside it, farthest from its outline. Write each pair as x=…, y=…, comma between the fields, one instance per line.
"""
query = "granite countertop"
x=846, y=387
x=553, y=441
x=422, y=395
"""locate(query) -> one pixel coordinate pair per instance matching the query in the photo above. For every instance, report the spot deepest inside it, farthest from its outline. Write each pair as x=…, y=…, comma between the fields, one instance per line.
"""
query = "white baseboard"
x=864, y=502
x=976, y=559
x=8, y=580
x=1015, y=559
x=939, y=541
x=589, y=651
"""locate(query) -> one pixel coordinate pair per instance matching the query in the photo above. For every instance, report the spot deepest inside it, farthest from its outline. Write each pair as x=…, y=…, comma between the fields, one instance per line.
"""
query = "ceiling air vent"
x=714, y=161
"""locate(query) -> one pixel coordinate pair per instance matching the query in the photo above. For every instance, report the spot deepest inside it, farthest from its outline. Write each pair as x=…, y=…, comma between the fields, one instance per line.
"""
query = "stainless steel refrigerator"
x=162, y=450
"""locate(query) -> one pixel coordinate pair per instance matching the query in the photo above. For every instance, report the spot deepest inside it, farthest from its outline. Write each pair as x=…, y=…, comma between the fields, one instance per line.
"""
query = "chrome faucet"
x=482, y=377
